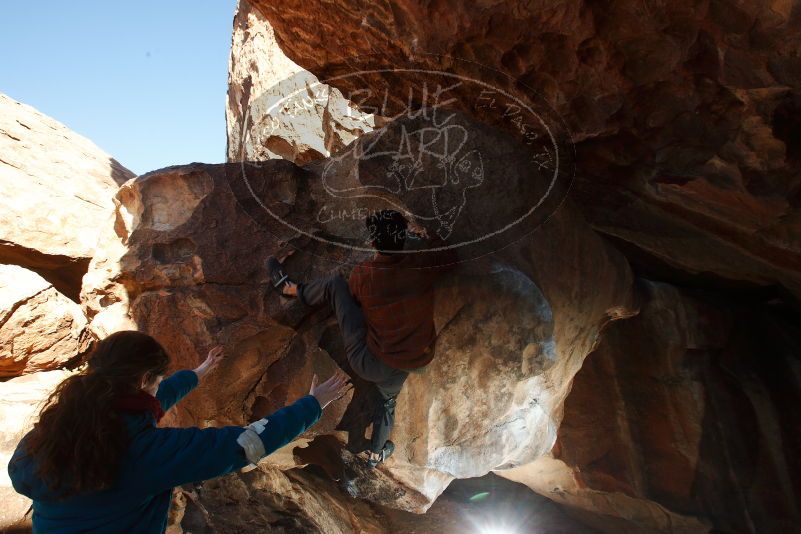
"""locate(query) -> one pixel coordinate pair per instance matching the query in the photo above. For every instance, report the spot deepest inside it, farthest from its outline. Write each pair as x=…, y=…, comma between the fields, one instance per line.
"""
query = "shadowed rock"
x=681, y=111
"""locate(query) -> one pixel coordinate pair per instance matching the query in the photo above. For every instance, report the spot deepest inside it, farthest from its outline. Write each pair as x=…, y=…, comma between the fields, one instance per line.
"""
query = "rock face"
x=684, y=113
x=40, y=329
x=20, y=400
x=305, y=500
x=191, y=272
x=293, y=501
x=261, y=80
x=682, y=411
x=675, y=418
x=55, y=195
x=685, y=121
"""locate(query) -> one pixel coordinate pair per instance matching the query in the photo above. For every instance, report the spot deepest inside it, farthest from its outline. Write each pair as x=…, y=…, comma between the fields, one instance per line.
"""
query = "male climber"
x=385, y=312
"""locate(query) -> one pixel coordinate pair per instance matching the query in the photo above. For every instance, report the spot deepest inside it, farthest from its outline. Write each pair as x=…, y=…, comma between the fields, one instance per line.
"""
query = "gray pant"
x=388, y=380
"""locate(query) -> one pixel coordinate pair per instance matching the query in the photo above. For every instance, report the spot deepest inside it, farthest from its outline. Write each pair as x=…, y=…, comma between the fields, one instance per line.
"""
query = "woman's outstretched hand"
x=332, y=389
x=212, y=360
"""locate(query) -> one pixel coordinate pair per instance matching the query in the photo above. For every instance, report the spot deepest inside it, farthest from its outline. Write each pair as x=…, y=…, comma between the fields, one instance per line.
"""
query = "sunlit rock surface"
x=275, y=108
x=40, y=329
x=684, y=113
x=20, y=401
x=55, y=195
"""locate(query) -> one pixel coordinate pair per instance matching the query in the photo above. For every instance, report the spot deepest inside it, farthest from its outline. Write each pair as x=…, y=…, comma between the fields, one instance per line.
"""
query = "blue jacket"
x=157, y=460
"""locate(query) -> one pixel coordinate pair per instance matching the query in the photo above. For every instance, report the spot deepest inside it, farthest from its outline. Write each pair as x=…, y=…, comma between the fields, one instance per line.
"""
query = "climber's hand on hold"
x=332, y=389
x=417, y=229
x=213, y=359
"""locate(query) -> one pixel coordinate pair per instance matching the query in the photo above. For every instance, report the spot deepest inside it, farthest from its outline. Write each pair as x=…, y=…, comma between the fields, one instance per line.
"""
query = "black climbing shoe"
x=278, y=278
x=385, y=453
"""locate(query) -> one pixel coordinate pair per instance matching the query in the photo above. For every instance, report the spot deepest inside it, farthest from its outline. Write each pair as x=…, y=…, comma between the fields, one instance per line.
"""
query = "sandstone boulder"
x=514, y=326
x=275, y=108
x=40, y=329
x=55, y=195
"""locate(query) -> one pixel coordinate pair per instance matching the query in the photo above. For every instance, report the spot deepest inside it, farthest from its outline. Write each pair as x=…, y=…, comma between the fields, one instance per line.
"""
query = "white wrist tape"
x=250, y=441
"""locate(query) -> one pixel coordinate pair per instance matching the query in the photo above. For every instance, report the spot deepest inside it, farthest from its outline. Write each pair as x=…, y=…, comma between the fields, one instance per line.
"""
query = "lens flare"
x=497, y=529
x=479, y=496
x=490, y=517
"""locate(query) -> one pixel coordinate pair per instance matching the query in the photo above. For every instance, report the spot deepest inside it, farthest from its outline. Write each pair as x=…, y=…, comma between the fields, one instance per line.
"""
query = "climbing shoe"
x=385, y=453
x=278, y=278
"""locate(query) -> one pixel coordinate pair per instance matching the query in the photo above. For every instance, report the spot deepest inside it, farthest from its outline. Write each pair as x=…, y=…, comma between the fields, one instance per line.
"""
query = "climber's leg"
x=336, y=292
x=389, y=381
x=385, y=413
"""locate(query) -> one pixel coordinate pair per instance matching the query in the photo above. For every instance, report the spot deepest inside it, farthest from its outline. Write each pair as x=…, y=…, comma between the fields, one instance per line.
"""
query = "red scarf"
x=140, y=401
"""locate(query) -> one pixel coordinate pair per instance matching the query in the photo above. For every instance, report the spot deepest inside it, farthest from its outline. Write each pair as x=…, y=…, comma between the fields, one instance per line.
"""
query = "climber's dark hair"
x=387, y=230
x=79, y=440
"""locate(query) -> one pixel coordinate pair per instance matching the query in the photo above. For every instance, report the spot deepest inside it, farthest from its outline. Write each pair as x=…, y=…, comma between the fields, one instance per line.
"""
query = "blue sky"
x=144, y=80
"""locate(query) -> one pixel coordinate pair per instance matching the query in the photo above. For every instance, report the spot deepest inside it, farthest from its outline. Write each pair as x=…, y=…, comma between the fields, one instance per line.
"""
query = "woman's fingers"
x=336, y=387
x=314, y=383
x=336, y=379
x=215, y=354
x=345, y=390
x=334, y=382
x=345, y=386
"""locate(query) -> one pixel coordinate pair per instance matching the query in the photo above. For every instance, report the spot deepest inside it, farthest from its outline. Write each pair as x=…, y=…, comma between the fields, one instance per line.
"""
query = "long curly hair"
x=79, y=440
